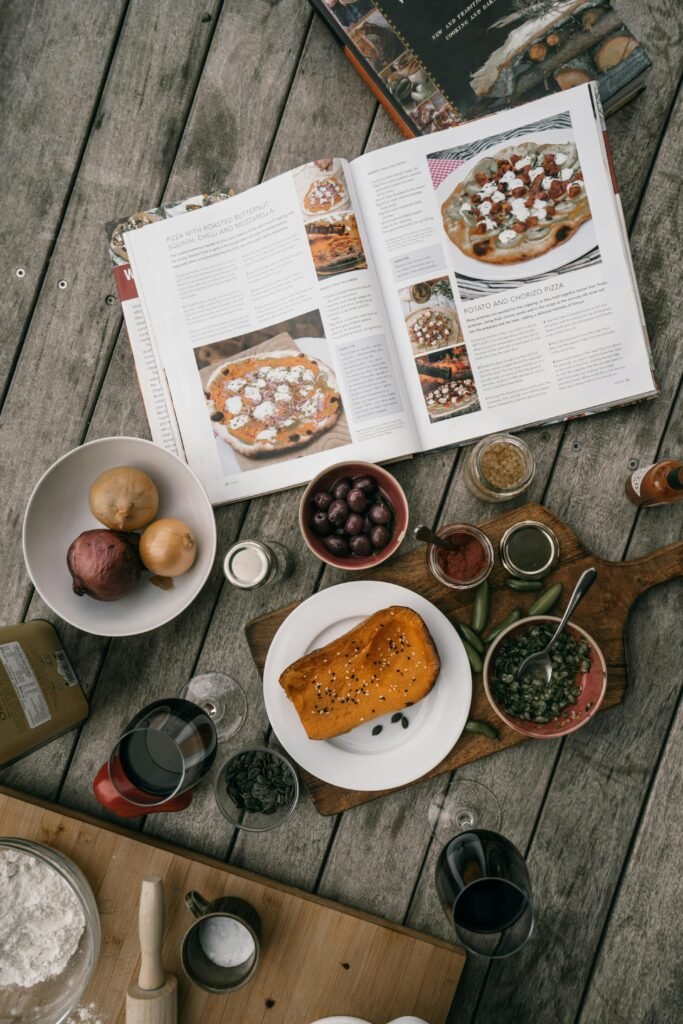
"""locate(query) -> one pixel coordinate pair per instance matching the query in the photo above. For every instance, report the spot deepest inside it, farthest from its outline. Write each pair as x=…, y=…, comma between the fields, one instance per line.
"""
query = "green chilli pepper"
x=480, y=608
x=514, y=616
x=546, y=601
x=483, y=728
x=474, y=658
x=514, y=584
x=470, y=636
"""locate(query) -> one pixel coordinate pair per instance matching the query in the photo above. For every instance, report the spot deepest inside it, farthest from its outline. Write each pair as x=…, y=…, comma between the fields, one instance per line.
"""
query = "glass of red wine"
x=481, y=878
x=165, y=750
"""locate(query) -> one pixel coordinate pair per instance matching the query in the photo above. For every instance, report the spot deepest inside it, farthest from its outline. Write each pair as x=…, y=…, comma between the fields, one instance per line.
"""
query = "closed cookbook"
x=435, y=65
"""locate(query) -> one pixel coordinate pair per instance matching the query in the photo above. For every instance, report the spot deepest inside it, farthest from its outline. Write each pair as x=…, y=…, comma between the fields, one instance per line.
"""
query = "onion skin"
x=168, y=547
x=124, y=498
x=104, y=564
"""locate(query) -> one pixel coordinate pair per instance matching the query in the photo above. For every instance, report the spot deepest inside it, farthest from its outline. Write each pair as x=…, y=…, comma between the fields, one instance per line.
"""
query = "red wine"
x=489, y=905
x=152, y=762
x=484, y=888
x=167, y=748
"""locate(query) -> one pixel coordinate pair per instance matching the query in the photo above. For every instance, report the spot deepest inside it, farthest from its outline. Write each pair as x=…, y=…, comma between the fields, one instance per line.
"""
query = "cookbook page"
x=150, y=373
x=268, y=320
x=503, y=263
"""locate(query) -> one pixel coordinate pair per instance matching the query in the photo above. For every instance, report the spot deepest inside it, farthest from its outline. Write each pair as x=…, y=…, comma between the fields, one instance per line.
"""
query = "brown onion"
x=168, y=547
x=124, y=498
x=104, y=564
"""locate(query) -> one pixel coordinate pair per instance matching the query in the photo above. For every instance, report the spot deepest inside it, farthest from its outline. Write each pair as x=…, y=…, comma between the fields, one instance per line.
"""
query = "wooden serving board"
x=603, y=613
x=318, y=958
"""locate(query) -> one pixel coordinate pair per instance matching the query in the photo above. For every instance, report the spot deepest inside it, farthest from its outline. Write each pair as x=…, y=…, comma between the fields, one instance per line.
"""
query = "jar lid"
x=529, y=549
x=248, y=564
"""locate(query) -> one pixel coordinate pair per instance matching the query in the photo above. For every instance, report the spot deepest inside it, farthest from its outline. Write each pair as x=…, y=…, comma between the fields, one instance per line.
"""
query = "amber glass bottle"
x=659, y=484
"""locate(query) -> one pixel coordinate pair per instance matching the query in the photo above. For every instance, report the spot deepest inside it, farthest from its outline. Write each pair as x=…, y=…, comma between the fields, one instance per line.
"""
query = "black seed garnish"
x=377, y=730
x=396, y=718
x=404, y=722
x=216, y=417
x=270, y=1003
x=346, y=966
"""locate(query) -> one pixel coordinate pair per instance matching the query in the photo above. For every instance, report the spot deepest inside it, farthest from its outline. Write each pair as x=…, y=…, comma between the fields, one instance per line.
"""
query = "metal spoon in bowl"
x=539, y=665
x=428, y=536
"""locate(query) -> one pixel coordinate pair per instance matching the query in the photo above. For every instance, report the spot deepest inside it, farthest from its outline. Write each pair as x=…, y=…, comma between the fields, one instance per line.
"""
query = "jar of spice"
x=499, y=467
x=252, y=563
x=529, y=550
x=468, y=564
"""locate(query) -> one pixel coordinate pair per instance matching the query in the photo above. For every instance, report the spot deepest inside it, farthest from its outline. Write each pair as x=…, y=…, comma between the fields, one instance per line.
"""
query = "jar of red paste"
x=469, y=564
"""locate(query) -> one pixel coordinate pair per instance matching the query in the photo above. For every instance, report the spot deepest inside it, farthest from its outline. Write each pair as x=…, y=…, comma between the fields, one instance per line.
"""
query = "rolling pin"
x=154, y=999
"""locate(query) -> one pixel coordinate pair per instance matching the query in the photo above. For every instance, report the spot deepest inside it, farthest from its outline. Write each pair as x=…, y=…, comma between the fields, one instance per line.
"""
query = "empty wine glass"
x=223, y=700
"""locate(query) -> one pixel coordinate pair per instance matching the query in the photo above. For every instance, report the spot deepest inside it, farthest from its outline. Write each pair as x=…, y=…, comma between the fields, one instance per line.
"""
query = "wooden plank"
x=337, y=956
x=225, y=636
x=72, y=331
x=45, y=116
x=642, y=925
x=621, y=754
x=521, y=800
x=252, y=29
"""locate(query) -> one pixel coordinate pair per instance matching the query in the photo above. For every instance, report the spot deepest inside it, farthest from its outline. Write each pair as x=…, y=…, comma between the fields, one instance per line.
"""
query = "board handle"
x=640, y=574
x=151, y=923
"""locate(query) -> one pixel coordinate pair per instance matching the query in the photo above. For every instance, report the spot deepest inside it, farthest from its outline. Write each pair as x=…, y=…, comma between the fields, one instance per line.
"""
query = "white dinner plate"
x=357, y=759
x=581, y=242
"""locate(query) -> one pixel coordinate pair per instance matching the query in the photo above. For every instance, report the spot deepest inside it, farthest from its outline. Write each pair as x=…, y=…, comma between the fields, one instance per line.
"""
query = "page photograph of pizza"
x=514, y=205
x=272, y=395
x=447, y=382
x=430, y=314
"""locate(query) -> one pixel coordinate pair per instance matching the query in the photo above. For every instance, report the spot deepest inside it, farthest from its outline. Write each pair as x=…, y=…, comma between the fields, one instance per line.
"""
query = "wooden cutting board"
x=603, y=613
x=318, y=958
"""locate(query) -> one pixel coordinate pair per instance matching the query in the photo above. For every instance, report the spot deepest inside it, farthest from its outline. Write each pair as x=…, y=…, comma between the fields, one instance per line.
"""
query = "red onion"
x=104, y=564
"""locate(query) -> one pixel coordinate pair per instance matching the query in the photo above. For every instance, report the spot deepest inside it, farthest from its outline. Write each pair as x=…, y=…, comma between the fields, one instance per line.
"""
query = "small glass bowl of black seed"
x=257, y=789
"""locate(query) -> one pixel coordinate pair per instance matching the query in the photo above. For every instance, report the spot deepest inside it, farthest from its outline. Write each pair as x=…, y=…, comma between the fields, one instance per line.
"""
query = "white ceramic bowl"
x=58, y=512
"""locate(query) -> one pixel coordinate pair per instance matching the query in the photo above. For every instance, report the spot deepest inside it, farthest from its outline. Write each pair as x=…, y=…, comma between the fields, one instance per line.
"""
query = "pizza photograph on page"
x=272, y=394
x=515, y=204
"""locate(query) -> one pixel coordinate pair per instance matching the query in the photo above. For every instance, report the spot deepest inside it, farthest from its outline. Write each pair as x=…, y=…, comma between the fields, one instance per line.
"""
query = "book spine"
x=372, y=81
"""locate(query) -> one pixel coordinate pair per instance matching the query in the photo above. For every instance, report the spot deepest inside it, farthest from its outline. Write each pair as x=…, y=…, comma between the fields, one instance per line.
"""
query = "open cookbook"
x=421, y=295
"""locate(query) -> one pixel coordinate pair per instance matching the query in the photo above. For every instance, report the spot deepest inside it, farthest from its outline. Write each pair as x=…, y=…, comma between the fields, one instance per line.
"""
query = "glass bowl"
x=253, y=820
x=437, y=570
x=51, y=1001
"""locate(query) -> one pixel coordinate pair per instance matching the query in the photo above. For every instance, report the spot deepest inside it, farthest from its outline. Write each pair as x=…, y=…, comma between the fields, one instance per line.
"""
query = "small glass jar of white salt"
x=249, y=564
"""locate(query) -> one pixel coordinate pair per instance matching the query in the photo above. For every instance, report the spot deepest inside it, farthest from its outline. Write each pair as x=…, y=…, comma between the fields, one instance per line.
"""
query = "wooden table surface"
x=112, y=106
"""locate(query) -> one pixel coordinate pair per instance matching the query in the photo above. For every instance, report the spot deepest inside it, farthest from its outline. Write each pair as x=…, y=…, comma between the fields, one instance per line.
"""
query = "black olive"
x=342, y=488
x=380, y=537
x=380, y=514
x=338, y=546
x=354, y=524
x=360, y=546
x=368, y=484
x=321, y=524
x=323, y=500
x=357, y=500
x=337, y=512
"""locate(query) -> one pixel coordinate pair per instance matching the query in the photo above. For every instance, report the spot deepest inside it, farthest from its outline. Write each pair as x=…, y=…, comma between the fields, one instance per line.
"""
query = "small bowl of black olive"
x=257, y=789
x=354, y=515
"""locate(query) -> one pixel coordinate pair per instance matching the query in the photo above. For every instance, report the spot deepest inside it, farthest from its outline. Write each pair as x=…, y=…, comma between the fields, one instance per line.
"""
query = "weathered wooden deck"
x=111, y=106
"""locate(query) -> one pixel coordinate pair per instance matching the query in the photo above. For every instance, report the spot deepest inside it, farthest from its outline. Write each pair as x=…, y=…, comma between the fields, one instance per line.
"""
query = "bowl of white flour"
x=49, y=933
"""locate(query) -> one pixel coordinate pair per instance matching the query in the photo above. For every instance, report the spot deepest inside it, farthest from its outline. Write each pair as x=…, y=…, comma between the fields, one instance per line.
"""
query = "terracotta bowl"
x=593, y=685
x=390, y=489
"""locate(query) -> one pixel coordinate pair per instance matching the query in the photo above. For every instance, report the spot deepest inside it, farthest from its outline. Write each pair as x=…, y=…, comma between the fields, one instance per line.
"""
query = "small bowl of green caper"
x=257, y=789
x=533, y=707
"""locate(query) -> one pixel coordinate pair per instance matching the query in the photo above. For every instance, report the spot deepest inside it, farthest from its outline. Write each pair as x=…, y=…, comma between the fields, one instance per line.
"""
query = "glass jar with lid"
x=499, y=467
